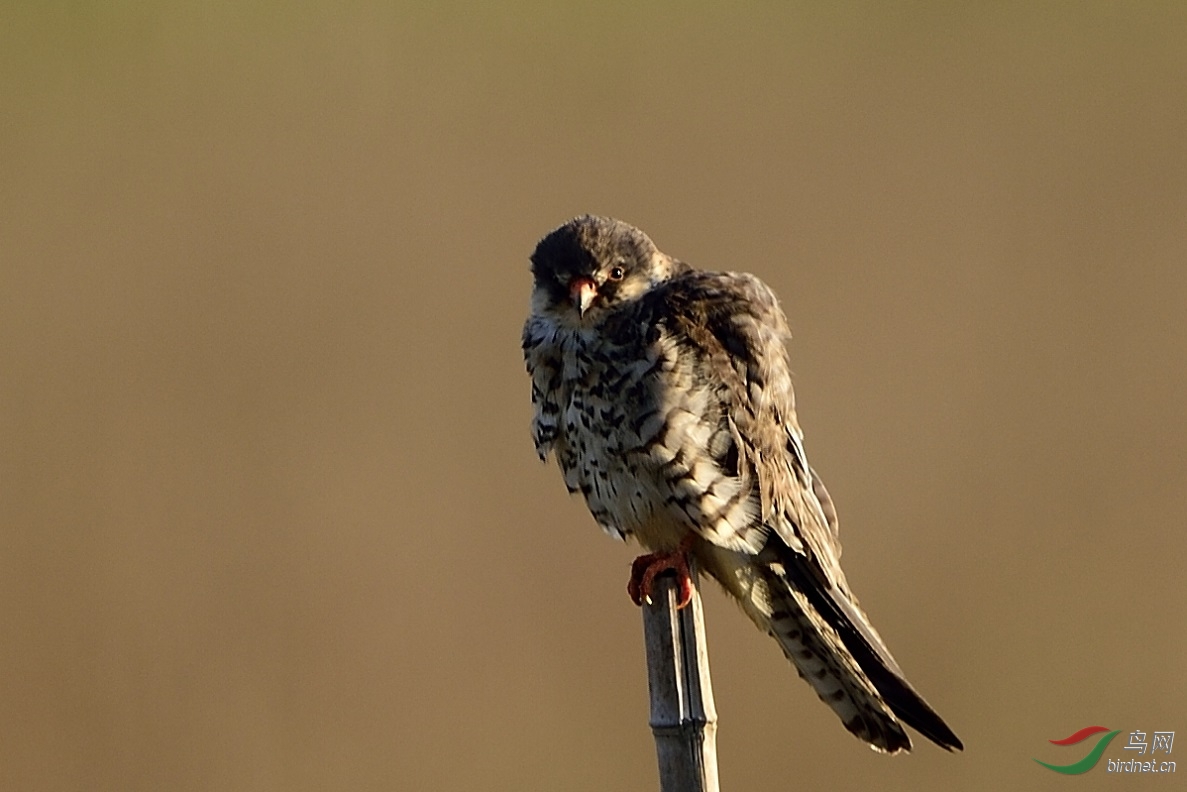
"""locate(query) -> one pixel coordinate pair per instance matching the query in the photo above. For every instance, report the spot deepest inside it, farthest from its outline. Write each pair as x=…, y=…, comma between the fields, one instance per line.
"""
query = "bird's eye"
x=617, y=274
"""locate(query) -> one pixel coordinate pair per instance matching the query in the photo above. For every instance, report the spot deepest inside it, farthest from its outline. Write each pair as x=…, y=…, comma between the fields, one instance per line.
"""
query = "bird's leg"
x=646, y=568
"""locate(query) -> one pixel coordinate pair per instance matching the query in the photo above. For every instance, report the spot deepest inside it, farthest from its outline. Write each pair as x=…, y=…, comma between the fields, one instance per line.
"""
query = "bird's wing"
x=735, y=328
x=733, y=325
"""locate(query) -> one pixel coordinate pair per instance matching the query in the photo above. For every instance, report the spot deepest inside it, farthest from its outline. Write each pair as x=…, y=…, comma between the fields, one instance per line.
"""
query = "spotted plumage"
x=665, y=395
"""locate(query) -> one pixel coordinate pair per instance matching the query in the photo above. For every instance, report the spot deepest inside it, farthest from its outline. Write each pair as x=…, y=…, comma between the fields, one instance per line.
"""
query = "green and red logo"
x=1089, y=761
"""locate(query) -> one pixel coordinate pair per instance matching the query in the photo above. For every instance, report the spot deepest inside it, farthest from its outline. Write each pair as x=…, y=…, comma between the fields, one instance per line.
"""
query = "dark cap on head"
x=586, y=243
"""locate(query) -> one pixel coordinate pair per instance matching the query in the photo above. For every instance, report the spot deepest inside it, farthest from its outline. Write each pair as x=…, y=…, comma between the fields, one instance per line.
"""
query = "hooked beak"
x=582, y=292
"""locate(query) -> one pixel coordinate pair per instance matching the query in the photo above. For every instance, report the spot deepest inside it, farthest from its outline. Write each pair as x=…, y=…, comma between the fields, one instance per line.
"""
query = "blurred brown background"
x=270, y=517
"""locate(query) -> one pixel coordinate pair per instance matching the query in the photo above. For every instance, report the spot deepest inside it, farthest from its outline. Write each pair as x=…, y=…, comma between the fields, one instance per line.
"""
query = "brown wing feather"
x=733, y=322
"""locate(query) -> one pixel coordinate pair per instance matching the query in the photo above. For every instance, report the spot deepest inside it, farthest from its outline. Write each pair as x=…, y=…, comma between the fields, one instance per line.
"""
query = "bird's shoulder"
x=733, y=322
x=714, y=298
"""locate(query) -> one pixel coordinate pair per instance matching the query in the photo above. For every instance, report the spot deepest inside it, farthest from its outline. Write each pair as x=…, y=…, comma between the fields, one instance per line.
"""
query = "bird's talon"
x=646, y=568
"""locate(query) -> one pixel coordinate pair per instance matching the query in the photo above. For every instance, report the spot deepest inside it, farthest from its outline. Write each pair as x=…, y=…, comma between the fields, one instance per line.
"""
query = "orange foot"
x=646, y=568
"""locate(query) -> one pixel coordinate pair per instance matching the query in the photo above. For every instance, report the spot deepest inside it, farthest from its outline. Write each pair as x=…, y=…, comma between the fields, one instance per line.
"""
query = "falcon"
x=664, y=393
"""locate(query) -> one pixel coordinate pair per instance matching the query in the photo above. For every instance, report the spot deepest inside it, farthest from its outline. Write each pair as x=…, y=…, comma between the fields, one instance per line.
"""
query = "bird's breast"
x=641, y=437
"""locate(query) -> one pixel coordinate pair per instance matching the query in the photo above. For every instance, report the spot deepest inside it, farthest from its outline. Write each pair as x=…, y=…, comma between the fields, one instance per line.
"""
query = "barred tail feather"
x=865, y=647
x=823, y=660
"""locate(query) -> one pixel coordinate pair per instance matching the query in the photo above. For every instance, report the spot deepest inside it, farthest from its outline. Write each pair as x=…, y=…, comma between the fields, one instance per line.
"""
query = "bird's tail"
x=833, y=646
x=822, y=659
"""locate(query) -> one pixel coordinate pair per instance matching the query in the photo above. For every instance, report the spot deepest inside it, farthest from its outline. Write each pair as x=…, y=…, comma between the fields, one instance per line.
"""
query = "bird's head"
x=591, y=266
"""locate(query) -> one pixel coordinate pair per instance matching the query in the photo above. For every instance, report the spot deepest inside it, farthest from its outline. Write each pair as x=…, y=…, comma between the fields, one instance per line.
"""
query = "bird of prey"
x=665, y=394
